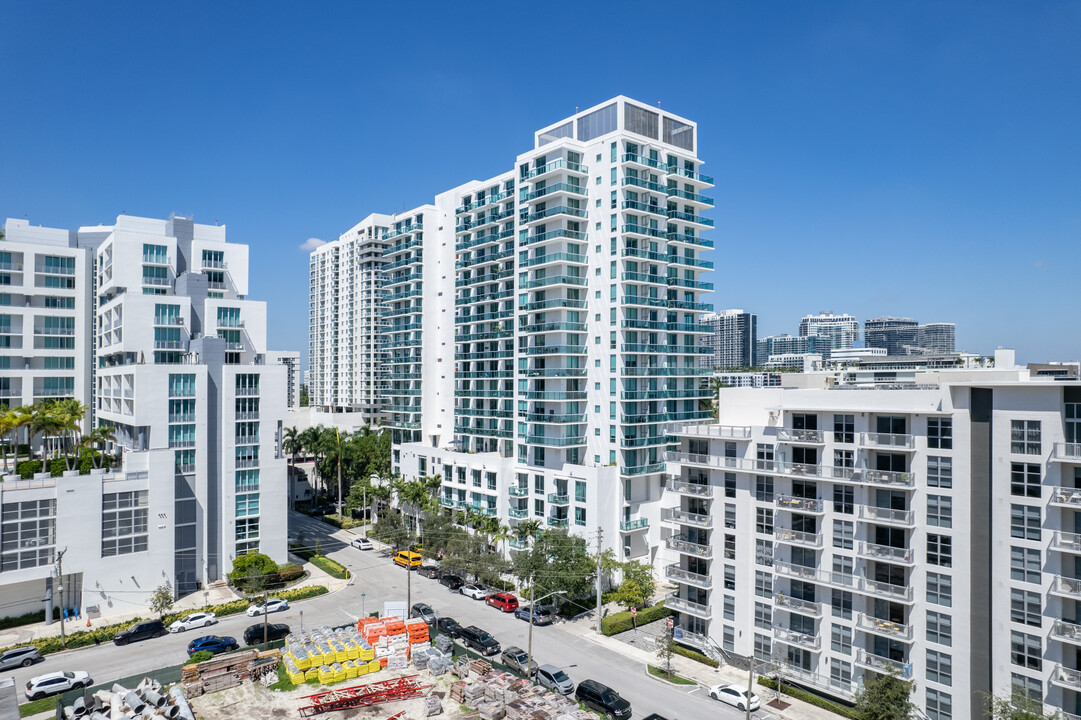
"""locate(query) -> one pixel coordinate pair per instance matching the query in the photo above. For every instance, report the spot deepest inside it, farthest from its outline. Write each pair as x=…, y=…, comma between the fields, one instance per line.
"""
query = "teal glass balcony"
x=552, y=441
x=552, y=212
x=689, y=217
x=643, y=230
x=483, y=259
x=554, y=280
x=518, y=491
x=553, y=327
x=553, y=258
x=692, y=284
x=557, y=350
x=642, y=469
x=644, y=207
x=643, y=277
x=559, y=499
x=561, y=522
x=632, y=525
x=560, y=164
x=556, y=372
x=553, y=418
x=554, y=303
x=700, y=177
x=518, y=543
x=693, y=197
x=404, y=230
x=551, y=189
x=638, y=182
x=689, y=239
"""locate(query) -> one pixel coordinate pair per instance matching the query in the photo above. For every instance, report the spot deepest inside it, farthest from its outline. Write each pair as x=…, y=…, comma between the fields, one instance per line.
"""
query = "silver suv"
x=19, y=657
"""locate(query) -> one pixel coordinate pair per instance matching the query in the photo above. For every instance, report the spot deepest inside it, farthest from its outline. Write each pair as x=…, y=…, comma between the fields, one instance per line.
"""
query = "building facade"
x=896, y=335
x=928, y=531
x=842, y=330
x=937, y=338
x=732, y=339
x=769, y=351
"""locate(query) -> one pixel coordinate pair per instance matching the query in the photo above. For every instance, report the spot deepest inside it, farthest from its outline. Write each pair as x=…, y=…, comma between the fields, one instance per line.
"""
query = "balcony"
x=887, y=516
x=886, y=553
x=899, y=593
x=1066, y=542
x=246, y=440
x=518, y=491
x=893, y=441
x=674, y=602
x=558, y=499
x=803, y=607
x=247, y=390
x=675, y=542
x=883, y=665
x=518, y=543
x=518, y=513
x=810, y=574
x=242, y=463
x=181, y=443
x=682, y=517
x=560, y=522
x=785, y=536
x=1066, y=631
x=801, y=436
x=678, y=574
x=724, y=432
x=798, y=639
x=1066, y=587
x=182, y=417
x=642, y=469
x=687, y=488
x=1066, y=677
x=886, y=628
x=1066, y=497
x=1067, y=452
x=812, y=506
x=632, y=525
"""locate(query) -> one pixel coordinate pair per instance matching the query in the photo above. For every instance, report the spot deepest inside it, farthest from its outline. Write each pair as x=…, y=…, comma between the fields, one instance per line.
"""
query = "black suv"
x=449, y=626
x=274, y=631
x=475, y=638
x=452, y=581
x=141, y=631
x=603, y=699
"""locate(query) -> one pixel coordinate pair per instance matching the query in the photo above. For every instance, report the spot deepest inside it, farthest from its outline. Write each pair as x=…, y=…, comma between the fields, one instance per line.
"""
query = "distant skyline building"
x=732, y=339
x=894, y=334
x=842, y=330
x=937, y=338
x=789, y=346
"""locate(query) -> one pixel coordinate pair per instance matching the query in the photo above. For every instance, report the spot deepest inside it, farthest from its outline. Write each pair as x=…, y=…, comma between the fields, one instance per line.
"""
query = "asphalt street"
x=375, y=580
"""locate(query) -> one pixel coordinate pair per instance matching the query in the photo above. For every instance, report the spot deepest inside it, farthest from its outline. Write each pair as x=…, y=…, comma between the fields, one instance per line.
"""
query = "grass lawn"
x=672, y=678
x=37, y=706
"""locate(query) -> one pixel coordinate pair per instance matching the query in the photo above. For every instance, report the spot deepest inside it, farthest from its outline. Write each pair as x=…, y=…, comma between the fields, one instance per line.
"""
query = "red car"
x=504, y=601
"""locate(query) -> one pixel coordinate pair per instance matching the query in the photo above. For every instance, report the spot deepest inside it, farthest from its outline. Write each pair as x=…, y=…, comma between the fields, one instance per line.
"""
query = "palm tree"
x=291, y=445
x=415, y=494
x=499, y=533
x=101, y=435
x=7, y=424
x=46, y=422
x=528, y=529
x=23, y=416
x=71, y=416
x=309, y=440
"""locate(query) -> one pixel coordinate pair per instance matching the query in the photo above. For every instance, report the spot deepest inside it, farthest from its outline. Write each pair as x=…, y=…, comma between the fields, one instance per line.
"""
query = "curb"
x=692, y=685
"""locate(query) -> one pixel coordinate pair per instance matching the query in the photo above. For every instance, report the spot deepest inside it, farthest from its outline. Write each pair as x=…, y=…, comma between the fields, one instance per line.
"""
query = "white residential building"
x=930, y=531
x=179, y=367
x=732, y=339
x=576, y=281
x=291, y=360
x=842, y=330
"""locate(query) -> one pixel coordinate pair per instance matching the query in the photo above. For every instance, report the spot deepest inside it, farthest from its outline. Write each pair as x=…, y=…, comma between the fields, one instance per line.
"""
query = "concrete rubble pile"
x=145, y=702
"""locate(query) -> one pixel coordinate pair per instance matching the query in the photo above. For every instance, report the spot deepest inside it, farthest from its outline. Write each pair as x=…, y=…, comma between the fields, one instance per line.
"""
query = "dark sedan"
x=451, y=581
x=449, y=626
x=213, y=643
x=274, y=631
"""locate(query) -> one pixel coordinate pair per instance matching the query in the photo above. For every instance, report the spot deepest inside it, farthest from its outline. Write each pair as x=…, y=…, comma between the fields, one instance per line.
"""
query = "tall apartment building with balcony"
x=937, y=338
x=897, y=335
x=930, y=532
x=842, y=330
x=732, y=339
x=577, y=286
x=346, y=322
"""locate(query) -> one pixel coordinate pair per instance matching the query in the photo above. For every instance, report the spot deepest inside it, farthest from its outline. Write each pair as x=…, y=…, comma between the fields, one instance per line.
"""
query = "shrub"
x=252, y=566
x=27, y=619
x=200, y=656
x=809, y=698
x=330, y=567
x=57, y=466
x=289, y=573
x=623, y=621
x=696, y=656
x=29, y=468
x=347, y=523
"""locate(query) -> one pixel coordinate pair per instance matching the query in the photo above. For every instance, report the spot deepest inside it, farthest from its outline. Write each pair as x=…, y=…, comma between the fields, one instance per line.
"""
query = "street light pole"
x=533, y=620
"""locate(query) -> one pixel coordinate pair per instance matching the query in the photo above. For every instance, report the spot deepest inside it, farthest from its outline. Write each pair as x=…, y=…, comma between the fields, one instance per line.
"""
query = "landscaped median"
x=105, y=633
x=623, y=621
x=330, y=567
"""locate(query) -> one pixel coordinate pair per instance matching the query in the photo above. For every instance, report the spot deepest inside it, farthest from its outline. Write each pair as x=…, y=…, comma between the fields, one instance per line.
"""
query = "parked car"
x=451, y=581
x=503, y=601
x=554, y=679
x=56, y=682
x=542, y=615
x=195, y=620
x=603, y=699
x=272, y=605
x=449, y=626
x=429, y=571
x=141, y=631
x=361, y=543
x=517, y=659
x=213, y=643
x=274, y=631
x=408, y=558
x=24, y=656
x=423, y=611
x=734, y=695
x=477, y=639
x=474, y=591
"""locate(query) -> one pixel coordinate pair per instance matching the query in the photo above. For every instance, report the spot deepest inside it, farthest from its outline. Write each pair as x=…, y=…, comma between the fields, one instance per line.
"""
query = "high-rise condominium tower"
x=897, y=335
x=732, y=339
x=843, y=330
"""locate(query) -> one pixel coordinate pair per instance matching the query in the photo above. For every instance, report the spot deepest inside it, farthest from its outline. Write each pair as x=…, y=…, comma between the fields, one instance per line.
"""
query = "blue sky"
x=917, y=159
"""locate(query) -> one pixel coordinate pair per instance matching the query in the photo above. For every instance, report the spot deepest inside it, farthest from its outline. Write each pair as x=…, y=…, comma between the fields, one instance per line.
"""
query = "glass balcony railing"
x=796, y=605
x=631, y=525
x=678, y=574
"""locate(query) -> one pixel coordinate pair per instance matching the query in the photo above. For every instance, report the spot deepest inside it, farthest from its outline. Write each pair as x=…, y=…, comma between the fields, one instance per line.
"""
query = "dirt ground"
x=252, y=701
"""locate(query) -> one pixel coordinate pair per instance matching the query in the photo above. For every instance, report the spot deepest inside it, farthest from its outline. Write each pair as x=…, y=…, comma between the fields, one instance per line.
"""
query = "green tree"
x=250, y=569
x=304, y=398
x=1018, y=706
x=557, y=561
x=161, y=601
x=885, y=697
x=666, y=647
x=638, y=585
x=470, y=554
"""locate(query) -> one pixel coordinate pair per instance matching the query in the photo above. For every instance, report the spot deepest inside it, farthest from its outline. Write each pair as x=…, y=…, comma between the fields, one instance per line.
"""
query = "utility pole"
x=60, y=591
x=337, y=434
x=600, y=534
x=266, y=617
x=750, y=685
x=532, y=620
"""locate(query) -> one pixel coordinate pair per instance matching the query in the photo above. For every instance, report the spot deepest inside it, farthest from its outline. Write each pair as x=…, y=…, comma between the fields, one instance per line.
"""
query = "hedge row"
x=105, y=633
x=696, y=656
x=809, y=698
x=330, y=567
x=57, y=466
x=28, y=619
x=623, y=621
x=347, y=523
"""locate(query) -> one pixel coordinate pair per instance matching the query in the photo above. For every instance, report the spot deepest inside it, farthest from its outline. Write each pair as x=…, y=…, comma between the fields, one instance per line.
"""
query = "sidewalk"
x=643, y=651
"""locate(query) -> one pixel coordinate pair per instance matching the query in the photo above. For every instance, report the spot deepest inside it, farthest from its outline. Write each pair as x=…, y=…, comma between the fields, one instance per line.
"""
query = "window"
x=763, y=648
x=730, y=485
x=28, y=532
x=843, y=459
x=729, y=607
x=1026, y=650
x=939, y=472
x=939, y=589
x=763, y=552
x=940, y=433
x=844, y=428
x=1026, y=607
x=939, y=667
x=763, y=616
x=490, y=477
x=538, y=507
x=763, y=522
x=1032, y=688
x=841, y=639
x=1025, y=479
x=728, y=639
x=841, y=674
x=730, y=516
x=940, y=511
x=124, y=522
x=939, y=628
x=940, y=550
x=579, y=516
x=763, y=488
x=729, y=577
x=763, y=584
x=1025, y=564
x=1025, y=522
x=579, y=491
x=1025, y=437
x=842, y=604
x=939, y=705
x=844, y=499
x=843, y=533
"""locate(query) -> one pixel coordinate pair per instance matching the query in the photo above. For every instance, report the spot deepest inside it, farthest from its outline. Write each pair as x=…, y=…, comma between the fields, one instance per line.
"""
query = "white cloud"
x=311, y=244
